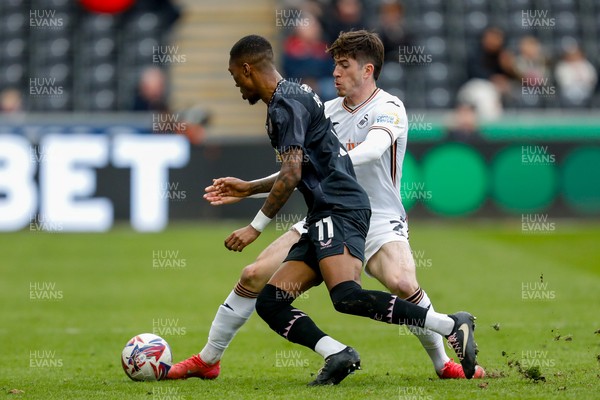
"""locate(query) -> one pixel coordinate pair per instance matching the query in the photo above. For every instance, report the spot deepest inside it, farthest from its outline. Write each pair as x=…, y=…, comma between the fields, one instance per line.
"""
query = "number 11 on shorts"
x=322, y=224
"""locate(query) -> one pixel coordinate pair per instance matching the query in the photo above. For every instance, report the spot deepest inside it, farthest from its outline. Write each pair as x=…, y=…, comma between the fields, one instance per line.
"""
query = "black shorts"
x=329, y=235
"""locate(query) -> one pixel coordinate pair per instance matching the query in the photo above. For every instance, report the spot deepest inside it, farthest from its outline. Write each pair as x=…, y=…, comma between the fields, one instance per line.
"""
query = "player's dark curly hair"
x=362, y=45
x=252, y=49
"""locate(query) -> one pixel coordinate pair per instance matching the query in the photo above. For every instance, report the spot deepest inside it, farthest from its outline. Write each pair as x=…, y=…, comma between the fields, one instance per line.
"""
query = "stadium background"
x=159, y=68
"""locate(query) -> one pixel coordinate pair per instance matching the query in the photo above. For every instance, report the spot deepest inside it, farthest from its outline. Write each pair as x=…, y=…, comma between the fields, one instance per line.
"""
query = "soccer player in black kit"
x=314, y=161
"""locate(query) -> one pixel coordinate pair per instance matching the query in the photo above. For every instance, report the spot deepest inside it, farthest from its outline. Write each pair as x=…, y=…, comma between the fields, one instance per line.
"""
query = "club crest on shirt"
x=364, y=121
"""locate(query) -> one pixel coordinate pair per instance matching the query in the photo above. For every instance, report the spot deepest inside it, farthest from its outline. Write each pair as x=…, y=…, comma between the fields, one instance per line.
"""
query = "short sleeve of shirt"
x=290, y=121
x=391, y=117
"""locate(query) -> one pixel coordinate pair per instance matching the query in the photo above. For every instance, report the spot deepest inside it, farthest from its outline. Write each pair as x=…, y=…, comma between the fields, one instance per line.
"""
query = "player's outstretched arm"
x=262, y=186
x=230, y=190
x=286, y=181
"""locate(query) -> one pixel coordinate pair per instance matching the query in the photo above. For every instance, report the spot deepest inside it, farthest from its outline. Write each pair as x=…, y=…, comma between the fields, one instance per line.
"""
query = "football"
x=146, y=357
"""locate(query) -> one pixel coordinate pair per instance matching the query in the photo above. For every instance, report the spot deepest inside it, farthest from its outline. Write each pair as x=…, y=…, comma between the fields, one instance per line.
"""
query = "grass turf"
x=70, y=302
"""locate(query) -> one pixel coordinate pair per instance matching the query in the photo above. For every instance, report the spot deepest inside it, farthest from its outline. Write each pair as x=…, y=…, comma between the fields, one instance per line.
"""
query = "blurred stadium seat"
x=97, y=58
x=83, y=52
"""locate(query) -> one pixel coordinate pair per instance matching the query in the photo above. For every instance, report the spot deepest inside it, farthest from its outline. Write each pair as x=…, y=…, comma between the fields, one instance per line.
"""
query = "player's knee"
x=345, y=296
x=253, y=277
x=402, y=286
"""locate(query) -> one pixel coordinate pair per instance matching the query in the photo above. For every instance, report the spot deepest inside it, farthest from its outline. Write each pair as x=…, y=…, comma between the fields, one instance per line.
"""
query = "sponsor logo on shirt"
x=391, y=118
x=326, y=244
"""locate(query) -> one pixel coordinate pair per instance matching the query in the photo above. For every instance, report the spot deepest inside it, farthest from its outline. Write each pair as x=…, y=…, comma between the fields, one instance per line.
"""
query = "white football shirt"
x=380, y=178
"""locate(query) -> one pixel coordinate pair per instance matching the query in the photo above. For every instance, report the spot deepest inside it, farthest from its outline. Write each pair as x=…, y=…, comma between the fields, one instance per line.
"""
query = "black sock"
x=349, y=298
x=274, y=307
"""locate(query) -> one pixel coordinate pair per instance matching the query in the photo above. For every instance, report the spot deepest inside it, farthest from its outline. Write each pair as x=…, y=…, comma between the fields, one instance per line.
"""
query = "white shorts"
x=382, y=229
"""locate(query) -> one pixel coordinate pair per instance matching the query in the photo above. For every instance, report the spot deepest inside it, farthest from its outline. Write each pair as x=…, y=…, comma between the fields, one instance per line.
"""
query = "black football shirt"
x=296, y=119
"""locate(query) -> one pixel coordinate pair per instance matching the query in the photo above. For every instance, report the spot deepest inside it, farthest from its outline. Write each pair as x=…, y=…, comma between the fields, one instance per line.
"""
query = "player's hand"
x=226, y=191
x=241, y=238
x=216, y=200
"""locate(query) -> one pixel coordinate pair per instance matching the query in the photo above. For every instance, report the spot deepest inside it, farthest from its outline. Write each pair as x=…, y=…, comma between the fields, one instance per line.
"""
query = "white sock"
x=327, y=346
x=431, y=341
x=440, y=323
x=229, y=319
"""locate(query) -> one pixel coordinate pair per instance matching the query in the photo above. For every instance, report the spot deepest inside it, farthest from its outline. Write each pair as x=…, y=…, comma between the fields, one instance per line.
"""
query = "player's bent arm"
x=373, y=147
x=390, y=123
x=288, y=178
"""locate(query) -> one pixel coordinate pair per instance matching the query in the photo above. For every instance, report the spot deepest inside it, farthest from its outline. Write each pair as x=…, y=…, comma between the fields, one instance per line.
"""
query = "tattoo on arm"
x=263, y=185
x=287, y=180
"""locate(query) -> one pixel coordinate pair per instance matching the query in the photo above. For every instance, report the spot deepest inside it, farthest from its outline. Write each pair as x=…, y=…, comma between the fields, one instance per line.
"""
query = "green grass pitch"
x=71, y=301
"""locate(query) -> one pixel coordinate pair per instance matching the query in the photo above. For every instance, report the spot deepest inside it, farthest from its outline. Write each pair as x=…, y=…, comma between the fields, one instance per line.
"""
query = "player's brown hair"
x=362, y=45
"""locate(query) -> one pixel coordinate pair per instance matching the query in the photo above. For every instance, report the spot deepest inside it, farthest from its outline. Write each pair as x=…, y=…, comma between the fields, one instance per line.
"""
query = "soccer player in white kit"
x=373, y=126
